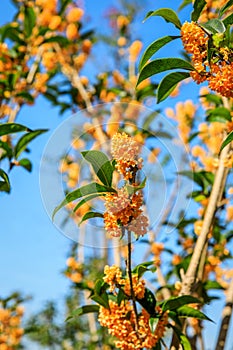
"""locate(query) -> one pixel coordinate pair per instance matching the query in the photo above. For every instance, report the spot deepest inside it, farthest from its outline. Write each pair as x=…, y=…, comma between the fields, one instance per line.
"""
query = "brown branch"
x=226, y=318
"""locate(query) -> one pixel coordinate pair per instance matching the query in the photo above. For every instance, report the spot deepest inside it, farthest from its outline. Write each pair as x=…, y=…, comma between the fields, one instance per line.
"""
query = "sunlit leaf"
x=91, y=215
x=148, y=302
x=26, y=164
x=25, y=140
x=29, y=20
x=11, y=128
x=228, y=139
x=225, y=7
x=228, y=20
x=154, y=47
x=163, y=64
x=140, y=269
x=133, y=189
x=169, y=83
x=198, y=6
x=187, y=311
x=153, y=323
x=90, y=189
x=101, y=165
x=168, y=14
x=6, y=150
x=61, y=40
x=86, y=309
x=176, y=302
x=214, y=26
x=5, y=184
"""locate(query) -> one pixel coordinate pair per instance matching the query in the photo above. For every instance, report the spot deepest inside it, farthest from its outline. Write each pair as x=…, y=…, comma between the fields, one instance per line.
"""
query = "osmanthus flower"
x=120, y=321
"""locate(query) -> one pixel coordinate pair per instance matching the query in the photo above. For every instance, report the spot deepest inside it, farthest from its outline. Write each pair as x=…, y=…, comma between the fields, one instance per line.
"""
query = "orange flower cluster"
x=218, y=74
x=113, y=276
x=10, y=330
x=74, y=272
x=120, y=321
x=125, y=150
x=125, y=211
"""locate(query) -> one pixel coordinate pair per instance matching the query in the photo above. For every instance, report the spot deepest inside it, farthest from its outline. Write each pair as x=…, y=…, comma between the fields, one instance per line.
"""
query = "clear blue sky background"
x=32, y=250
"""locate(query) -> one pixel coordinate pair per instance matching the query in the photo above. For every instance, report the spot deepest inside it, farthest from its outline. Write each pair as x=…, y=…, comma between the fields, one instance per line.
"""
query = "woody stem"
x=129, y=263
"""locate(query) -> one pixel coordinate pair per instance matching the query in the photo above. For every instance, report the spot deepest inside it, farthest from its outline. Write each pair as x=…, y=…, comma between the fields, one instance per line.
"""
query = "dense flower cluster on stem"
x=11, y=331
x=218, y=71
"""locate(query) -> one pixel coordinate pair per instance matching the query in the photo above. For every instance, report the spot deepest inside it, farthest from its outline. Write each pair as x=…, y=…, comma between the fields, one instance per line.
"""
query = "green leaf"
x=26, y=164
x=86, y=309
x=120, y=296
x=61, y=40
x=91, y=215
x=163, y=64
x=228, y=139
x=168, y=14
x=100, y=287
x=198, y=6
x=214, y=26
x=11, y=33
x=85, y=200
x=176, y=302
x=29, y=20
x=220, y=114
x=26, y=139
x=6, y=150
x=132, y=189
x=154, y=47
x=183, y=339
x=26, y=96
x=5, y=184
x=148, y=302
x=225, y=7
x=102, y=300
x=169, y=83
x=11, y=128
x=212, y=285
x=140, y=269
x=153, y=323
x=228, y=20
x=184, y=4
x=101, y=165
x=90, y=189
x=187, y=311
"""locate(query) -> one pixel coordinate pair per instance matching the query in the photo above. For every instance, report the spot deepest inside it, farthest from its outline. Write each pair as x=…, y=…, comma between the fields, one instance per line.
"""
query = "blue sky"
x=32, y=250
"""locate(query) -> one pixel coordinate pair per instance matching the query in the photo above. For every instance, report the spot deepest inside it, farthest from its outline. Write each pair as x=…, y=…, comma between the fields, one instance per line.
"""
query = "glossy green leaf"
x=214, y=26
x=140, y=269
x=100, y=287
x=6, y=150
x=228, y=20
x=11, y=33
x=225, y=7
x=198, y=6
x=184, y=342
x=25, y=140
x=163, y=64
x=154, y=47
x=228, y=139
x=101, y=300
x=61, y=40
x=29, y=20
x=26, y=96
x=101, y=165
x=90, y=189
x=133, y=189
x=169, y=83
x=176, y=302
x=153, y=321
x=85, y=200
x=148, y=302
x=91, y=215
x=220, y=114
x=168, y=14
x=212, y=285
x=26, y=164
x=86, y=309
x=11, y=128
x=5, y=184
x=187, y=311
x=121, y=296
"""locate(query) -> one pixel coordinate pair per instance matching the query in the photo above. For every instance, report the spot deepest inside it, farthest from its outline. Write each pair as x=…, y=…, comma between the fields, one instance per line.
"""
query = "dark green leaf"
x=220, y=112
x=169, y=83
x=5, y=184
x=10, y=128
x=25, y=140
x=132, y=189
x=90, y=189
x=148, y=302
x=101, y=165
x=228, y=20
x=198, y=6
x=153, y=323
x=120, y=296
x=26, y=164
x=29, y=20
x=163, y=64
x=176, y=302
x=228, y=139
x=102, y=300
x=26, y=96
x=6, y=150
x=140, y=269
x=183, y=339
x=61, y=40
x=83, y=310
x=214, y=26
x=11, y=33
x=100, y=287
x=225, y=7
x=91, y=215
x=85, y=200
x=168, y=14
x=187, y=311
x=154, y=47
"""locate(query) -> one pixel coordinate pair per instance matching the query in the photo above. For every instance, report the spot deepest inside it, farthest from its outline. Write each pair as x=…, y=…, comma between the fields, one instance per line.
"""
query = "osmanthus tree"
x=137, y=304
